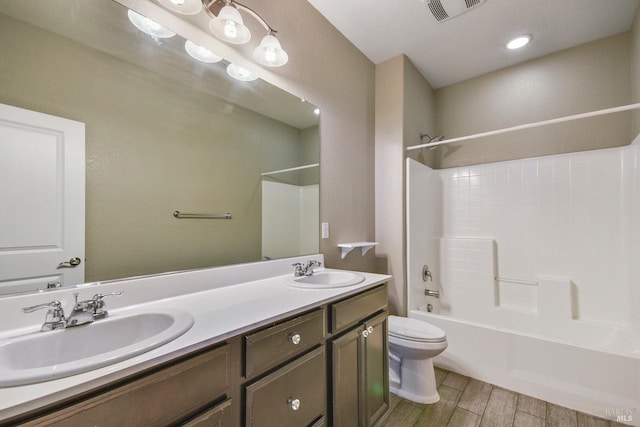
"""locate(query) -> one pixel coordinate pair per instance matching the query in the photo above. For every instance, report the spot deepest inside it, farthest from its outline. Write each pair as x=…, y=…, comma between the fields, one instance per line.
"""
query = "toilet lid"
x=415, y=330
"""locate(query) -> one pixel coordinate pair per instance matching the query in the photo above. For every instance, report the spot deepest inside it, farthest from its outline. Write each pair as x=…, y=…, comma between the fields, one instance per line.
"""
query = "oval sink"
x=321, y=279
x=45, y=356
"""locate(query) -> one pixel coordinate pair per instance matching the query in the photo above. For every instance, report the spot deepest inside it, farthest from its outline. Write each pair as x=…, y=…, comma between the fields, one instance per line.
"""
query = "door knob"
x=71, y=263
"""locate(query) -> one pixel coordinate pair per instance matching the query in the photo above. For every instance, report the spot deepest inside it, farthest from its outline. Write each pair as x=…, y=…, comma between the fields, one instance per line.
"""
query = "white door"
x=41, y=200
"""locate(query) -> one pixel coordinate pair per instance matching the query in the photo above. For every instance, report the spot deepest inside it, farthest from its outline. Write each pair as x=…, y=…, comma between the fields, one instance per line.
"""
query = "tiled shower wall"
x=567, y=215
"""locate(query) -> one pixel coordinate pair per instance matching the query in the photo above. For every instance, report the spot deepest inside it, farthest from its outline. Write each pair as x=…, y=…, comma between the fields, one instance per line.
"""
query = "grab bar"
x=518, y=281
x=181, y=215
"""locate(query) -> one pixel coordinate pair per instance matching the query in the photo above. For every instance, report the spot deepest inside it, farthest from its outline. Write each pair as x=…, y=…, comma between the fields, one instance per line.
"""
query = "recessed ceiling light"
x=519, y=42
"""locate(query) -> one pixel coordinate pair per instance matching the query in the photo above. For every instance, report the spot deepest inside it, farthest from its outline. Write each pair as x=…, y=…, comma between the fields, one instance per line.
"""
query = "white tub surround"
x=224, y=302
x=536, y=264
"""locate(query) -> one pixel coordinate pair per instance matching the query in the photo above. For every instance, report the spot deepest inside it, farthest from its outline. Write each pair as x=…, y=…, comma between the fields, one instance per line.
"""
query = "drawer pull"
x=294, y=404
x=295, y=339
x=366, y=331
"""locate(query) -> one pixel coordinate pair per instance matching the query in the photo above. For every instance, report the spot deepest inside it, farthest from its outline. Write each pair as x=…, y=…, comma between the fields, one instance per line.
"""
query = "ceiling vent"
x=443, y=10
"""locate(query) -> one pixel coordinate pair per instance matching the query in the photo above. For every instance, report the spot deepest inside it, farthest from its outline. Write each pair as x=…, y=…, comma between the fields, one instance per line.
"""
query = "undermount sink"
x=45, y=356
x=321, y=279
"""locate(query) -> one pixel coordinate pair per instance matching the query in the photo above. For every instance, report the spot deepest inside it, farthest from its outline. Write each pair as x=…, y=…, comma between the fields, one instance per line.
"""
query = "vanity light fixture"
x=148, y=26
x=201, y=53
x=240, y=73
x=227, y=25
x=185, y=7
x=519, y=42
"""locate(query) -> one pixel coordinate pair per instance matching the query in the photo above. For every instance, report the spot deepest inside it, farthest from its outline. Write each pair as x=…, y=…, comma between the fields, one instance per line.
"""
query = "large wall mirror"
x=164, y=133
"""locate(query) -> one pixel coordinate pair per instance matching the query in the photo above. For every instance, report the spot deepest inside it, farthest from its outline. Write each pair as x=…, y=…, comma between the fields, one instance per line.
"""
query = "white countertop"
x=219, y=313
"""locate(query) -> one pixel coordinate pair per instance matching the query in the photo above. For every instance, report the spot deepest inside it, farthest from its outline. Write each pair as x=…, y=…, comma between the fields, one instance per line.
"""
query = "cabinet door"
x=376, y=368
x=347, y=379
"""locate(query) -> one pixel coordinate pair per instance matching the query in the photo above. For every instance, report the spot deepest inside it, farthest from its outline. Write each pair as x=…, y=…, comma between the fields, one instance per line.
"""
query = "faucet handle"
x=55, y=316
x=99, y=306
x=54, y=305
x=299, y=269
x=98, y=297
x=311, y=264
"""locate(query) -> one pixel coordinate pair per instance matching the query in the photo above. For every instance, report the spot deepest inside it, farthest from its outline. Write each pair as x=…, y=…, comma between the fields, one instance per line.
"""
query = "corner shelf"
x=348, y=247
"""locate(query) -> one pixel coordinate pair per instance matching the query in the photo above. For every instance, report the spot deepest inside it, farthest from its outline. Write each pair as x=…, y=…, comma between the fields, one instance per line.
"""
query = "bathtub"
x=599, y=376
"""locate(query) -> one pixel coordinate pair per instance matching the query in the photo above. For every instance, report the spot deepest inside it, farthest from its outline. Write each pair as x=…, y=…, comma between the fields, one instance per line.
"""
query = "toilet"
x=413, y=344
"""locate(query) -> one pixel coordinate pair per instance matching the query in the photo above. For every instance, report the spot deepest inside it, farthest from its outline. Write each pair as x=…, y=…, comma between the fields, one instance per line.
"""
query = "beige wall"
x=635, y=71
x=152, y=147
x=404, y=109
x=589, y=77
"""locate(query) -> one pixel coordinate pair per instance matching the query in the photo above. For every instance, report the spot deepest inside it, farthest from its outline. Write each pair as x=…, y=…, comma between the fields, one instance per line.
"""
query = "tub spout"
x=430, y=293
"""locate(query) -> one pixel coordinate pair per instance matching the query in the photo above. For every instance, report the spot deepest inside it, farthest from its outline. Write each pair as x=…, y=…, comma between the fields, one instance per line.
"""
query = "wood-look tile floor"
x=466, y=402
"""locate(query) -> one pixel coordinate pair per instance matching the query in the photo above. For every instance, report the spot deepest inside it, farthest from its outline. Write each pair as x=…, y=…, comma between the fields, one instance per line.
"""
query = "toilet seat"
x=415, y=330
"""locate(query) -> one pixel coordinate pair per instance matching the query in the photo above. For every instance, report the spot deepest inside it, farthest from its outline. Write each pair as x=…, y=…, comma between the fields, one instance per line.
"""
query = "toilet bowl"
x=413, y=344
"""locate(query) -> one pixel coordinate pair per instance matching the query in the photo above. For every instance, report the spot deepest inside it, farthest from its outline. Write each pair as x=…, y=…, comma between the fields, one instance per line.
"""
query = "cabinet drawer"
x=218, y=416
x=294, y=395
x=352, y=310
x=164, y=397
x=278, y=343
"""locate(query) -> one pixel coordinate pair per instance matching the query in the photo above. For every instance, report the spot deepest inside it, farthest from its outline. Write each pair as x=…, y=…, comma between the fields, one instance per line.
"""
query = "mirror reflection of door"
x=42, y=192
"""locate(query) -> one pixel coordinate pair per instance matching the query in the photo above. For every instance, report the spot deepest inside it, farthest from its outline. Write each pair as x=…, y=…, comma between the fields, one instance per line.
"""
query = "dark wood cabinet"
x=166, y=397
x=359, y=392
x=326, y=366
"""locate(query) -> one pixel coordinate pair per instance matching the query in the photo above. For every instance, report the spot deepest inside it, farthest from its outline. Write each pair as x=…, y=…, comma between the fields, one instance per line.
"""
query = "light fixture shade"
x=269, y=53
x=240, y=73
x=200, y=53
x=228, y=26
x=184, y=7
x=148, y=26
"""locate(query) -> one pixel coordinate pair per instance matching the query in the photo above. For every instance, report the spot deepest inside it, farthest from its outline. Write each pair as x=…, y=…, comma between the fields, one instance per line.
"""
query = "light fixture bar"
x=212, y=7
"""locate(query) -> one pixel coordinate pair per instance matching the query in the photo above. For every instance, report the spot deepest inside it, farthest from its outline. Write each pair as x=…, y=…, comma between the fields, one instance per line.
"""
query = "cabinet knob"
x=294, y=404
x=364, y=333
x=370, y=329
x=295, y=339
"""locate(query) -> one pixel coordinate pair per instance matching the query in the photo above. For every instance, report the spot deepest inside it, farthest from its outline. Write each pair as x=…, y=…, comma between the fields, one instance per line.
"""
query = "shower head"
x=431, y=139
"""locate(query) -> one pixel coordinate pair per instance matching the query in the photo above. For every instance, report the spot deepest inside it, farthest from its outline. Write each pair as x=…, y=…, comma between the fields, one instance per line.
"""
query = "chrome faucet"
x=55, y=315
x=89, y=310
x=431, y=293
x=307, y=269
x=83, y=312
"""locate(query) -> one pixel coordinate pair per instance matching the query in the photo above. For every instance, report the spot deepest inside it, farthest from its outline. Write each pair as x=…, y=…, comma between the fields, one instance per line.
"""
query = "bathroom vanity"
x=259, y=353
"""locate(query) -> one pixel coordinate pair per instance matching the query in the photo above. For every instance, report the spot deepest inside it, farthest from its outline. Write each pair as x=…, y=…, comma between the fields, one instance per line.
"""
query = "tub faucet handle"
x=426, y=273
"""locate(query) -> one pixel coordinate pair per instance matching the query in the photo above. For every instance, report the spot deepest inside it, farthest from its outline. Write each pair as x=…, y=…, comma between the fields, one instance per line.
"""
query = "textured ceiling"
x=472, y=44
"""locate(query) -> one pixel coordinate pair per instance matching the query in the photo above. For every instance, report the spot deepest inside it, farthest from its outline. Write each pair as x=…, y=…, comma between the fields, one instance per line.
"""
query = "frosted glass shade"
x=228, y=26
x=269, y=53
x=200, y=53
x=148, y=26
x=184, y=7
x=240, y=73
